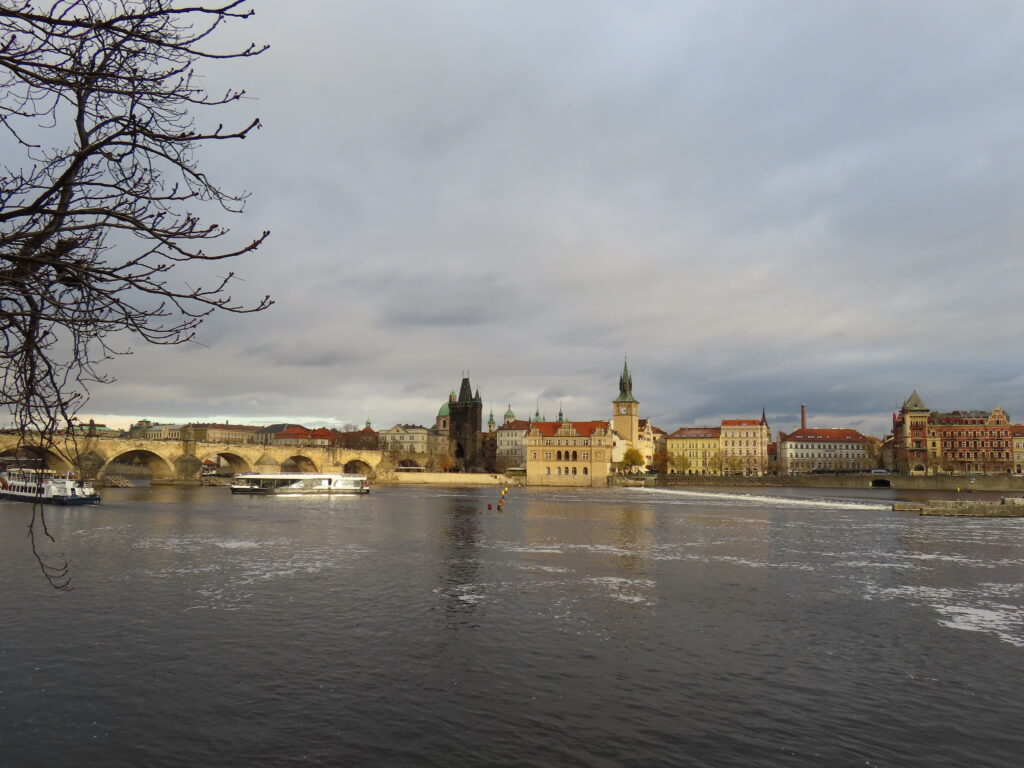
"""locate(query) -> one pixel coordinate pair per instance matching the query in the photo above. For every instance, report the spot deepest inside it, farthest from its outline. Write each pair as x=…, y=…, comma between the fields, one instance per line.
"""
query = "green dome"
x=509, y=414
x=443, y=410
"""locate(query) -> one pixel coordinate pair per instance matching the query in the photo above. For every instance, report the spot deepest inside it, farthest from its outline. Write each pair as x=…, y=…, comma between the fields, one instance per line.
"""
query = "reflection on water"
x=461, y=576
x=581, y=627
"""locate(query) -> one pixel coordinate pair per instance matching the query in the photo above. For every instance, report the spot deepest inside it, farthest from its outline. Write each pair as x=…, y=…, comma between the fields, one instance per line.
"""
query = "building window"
x=585, y=471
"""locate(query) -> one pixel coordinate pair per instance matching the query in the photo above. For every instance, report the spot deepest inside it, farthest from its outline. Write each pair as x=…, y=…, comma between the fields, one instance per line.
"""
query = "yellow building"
x=745, y=446
x=568, y=453
x=695, y=451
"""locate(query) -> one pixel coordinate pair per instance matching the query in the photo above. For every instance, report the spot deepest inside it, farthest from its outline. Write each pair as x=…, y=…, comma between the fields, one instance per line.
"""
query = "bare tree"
x=100, y=191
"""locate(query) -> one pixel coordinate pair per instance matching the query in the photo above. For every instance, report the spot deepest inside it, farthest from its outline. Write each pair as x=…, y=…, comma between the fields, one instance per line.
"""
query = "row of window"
x=829, y=447
x=567, y=441
x=562, y=455
x=807, y=455
x=558, y=471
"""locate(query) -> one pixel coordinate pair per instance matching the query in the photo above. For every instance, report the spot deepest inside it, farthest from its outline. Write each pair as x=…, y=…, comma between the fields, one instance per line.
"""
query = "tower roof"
x=465, y=391
x=625, y=386
x=443, y=410
x=509, y=414
x=914, y=403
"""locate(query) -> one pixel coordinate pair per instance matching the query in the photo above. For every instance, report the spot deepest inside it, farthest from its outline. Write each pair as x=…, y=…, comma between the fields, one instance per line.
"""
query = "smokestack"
x=803, y=416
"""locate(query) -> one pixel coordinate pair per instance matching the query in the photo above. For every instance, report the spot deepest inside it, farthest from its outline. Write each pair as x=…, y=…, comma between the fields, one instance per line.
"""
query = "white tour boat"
x=298, y=482
x=44, y=486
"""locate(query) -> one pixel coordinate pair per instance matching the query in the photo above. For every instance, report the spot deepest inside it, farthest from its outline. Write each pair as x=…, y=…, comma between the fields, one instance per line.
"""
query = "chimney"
x=803, y=416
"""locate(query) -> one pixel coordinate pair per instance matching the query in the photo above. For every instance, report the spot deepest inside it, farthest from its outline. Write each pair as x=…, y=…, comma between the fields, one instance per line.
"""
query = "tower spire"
x=625, y=385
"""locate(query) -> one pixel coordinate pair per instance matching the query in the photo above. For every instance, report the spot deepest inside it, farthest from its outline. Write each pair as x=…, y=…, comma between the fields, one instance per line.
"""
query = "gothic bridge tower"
x=465, y=438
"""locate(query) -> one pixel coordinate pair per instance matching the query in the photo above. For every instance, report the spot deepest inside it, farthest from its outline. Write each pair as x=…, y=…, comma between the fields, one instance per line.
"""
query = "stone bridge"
x=177, y=460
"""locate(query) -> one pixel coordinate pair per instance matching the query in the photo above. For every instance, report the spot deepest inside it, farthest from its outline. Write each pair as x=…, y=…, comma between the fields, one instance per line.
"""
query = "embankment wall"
x=444, y=478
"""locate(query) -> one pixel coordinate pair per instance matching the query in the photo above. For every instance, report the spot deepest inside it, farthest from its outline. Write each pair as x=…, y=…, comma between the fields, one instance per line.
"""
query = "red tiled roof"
x=714, y=432
x=1017, y=429
x=290, y=433
x=829, y=435
x=583, y=428
x=322, y=433
x=740, y=422
x=515, y=424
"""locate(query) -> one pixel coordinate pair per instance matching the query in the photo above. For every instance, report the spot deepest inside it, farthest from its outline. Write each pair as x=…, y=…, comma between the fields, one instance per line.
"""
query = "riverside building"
x=568, y=453
x=810, y=449
x=955, y=442
x=695, y=451
x=745, y=446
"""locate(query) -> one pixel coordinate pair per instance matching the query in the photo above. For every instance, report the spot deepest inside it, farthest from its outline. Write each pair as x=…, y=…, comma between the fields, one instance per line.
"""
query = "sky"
x=760, y=204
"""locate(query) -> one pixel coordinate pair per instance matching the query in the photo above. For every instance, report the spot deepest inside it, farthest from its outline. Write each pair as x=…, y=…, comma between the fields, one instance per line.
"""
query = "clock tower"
x=626, y=409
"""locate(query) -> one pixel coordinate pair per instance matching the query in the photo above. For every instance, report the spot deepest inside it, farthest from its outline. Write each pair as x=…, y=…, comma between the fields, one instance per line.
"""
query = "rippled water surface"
x=417, y=627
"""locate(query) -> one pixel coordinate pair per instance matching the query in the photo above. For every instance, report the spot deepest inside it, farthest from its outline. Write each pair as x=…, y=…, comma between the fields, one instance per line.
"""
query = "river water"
x=417, y=627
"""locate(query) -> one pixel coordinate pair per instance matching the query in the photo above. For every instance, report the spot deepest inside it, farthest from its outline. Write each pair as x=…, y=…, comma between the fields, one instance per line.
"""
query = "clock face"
x=622, y=409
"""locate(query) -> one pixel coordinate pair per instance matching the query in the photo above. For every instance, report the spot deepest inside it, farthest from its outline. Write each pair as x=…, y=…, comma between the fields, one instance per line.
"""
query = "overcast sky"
x=762, y=204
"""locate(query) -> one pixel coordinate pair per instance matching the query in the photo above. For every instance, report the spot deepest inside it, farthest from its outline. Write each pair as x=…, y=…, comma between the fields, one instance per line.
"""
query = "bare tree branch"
x=101, y=98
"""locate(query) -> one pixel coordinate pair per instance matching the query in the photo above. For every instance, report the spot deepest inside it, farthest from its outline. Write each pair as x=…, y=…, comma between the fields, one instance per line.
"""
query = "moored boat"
x=44, y=486
x=298, y=482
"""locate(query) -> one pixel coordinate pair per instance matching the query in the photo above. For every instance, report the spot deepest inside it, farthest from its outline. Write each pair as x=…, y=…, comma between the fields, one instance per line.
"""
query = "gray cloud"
x=761, y=203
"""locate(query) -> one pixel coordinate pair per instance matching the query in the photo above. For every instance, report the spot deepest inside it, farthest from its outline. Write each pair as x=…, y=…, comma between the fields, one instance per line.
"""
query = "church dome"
x=443, y=410
x=509, y=414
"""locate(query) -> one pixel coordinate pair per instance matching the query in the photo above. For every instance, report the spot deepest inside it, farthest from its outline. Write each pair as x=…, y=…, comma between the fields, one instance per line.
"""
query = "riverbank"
x=961, y=483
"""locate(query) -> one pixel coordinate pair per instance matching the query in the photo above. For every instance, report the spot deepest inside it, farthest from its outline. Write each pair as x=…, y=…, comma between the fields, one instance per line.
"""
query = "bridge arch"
x=34, y=454
x=141, y=459
x=358, y=467
x=238, y=463
x=299, y=463
x=409, y=463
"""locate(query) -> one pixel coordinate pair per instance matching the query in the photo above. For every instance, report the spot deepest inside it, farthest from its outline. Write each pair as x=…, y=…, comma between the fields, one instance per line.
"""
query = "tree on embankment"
x=631, y=459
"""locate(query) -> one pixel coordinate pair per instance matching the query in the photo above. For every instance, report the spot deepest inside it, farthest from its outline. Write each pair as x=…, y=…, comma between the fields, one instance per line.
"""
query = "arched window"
x=574, y=470
x=558, y=455
x=567, y=470
x=548, y=470
x=558, y=470
x=585, y=471
x=574, y=455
